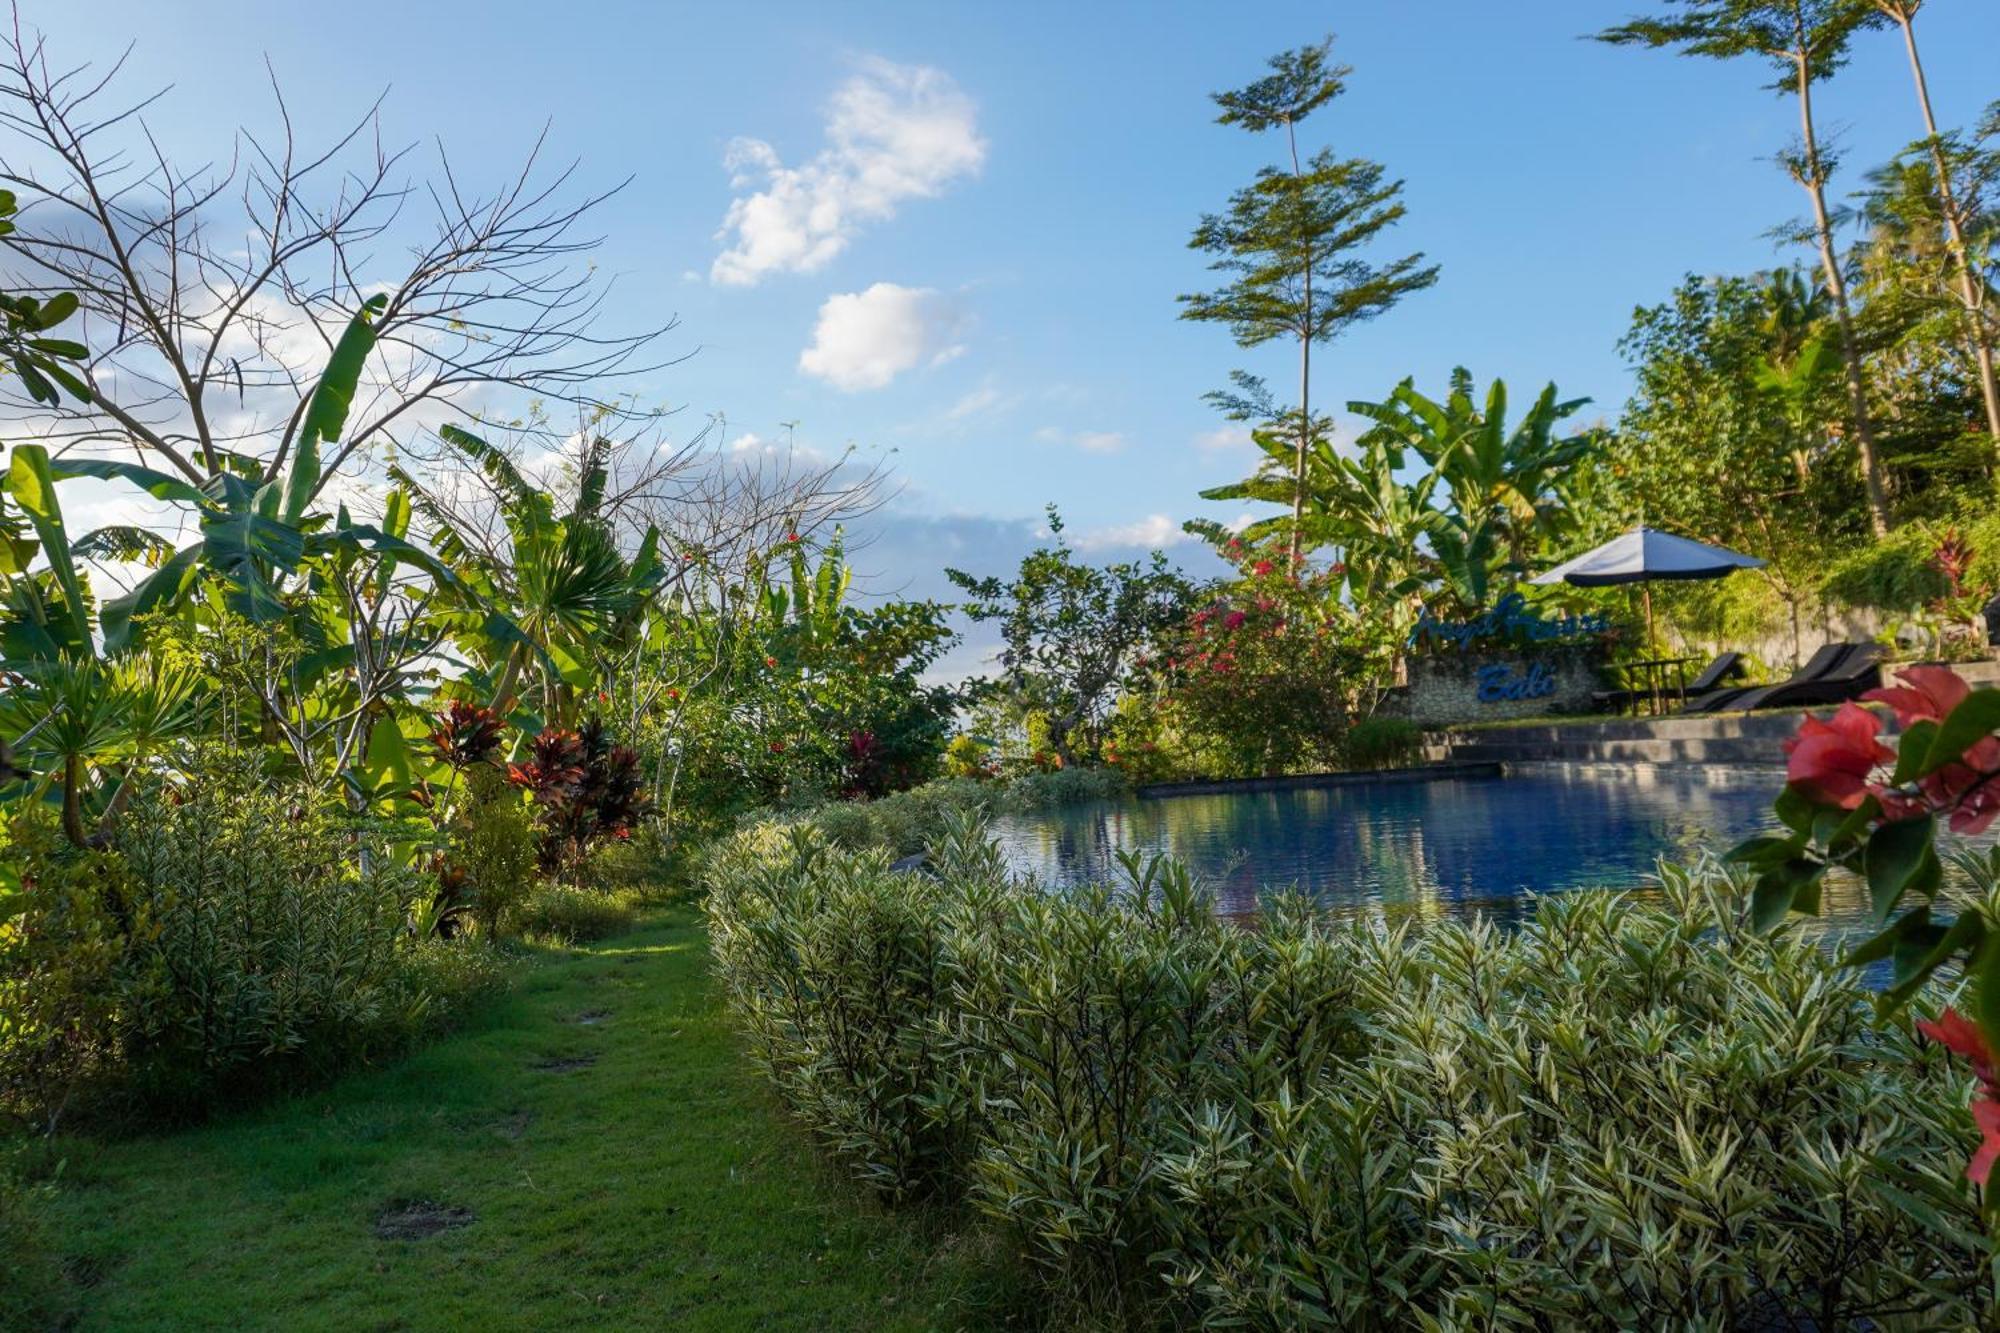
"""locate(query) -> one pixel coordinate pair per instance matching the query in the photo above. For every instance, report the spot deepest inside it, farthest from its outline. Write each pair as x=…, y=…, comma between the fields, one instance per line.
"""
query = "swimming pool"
x=1451, y=846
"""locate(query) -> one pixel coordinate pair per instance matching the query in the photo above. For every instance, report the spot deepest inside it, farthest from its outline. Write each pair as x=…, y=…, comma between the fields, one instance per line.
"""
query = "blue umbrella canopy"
x=1645, y=554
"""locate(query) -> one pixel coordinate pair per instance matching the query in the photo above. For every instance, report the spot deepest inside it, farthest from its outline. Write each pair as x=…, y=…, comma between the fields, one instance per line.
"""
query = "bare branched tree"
x=212, y=295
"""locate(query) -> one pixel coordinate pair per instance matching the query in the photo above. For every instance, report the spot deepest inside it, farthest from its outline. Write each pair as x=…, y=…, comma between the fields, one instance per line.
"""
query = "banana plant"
x=1504, y=494
x=543, y=619
x=82, y=724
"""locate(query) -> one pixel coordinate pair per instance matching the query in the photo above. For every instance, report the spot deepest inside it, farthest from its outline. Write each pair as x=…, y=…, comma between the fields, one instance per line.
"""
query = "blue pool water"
x=1451, y=846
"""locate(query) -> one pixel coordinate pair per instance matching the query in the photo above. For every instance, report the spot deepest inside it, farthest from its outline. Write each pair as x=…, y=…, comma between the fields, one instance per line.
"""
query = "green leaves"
x=32, y=486
x=1897, y=855
x=326, y=412
x=1790, y=885
x=1976, y=717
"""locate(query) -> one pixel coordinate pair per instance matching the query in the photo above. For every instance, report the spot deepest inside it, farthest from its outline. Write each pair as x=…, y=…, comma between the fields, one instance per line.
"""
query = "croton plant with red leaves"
x=1854, y=801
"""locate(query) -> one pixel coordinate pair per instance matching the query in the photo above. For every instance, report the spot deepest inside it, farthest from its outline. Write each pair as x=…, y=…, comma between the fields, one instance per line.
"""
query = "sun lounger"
x=1710, y=679
x=1836, y=672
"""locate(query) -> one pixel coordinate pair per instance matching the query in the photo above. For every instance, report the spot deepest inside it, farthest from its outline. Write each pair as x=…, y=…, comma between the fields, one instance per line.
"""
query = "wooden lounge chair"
x=1722, y=668
x=1836, y=672
x=1715, y=701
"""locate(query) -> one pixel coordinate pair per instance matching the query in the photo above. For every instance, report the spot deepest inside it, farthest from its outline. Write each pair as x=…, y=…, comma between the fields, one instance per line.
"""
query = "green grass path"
x=656, y=1187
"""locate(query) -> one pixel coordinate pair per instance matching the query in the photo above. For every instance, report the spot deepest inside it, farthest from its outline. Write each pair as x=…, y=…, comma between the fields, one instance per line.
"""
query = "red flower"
x=1962, y=1037
x=1930, y=695
x=791, y=536
x=1830, y=761
x=1986, y=1115
x=770, y=663
x=1972, y=794
x=1261, y=568
x=1234, y=620
x=777, y=747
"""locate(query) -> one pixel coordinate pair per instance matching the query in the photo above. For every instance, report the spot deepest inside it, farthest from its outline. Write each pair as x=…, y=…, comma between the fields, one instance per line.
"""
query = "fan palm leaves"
x=562, y=600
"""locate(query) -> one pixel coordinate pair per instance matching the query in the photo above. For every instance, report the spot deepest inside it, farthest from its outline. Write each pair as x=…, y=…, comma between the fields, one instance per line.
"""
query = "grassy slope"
x=655, y=1188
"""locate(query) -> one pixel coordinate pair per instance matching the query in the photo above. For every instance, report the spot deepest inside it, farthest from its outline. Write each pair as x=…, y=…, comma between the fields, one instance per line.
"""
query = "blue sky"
x=993, y=302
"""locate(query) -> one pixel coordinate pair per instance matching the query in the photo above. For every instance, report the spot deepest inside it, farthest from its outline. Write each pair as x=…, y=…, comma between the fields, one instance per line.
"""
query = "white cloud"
x=983, y=399
x=893, y=132
x=865, y=339
x=1223, y=440
x=1090, y=441
x=1154, y=532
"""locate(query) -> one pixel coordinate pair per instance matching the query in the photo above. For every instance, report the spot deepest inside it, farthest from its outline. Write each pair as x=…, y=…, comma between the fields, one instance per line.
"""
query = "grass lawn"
x=622, y=1165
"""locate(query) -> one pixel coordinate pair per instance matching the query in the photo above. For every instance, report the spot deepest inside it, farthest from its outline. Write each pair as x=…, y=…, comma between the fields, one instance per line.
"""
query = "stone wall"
x=1447, y=689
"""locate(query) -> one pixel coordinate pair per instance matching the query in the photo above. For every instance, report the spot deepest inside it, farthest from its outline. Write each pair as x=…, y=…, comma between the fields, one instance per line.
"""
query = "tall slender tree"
x=1289, y=241
x=1806, y=41
x=1971, y=290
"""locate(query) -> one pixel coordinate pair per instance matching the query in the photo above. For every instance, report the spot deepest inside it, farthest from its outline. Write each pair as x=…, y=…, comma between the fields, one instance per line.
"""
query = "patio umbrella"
x=1643, y=555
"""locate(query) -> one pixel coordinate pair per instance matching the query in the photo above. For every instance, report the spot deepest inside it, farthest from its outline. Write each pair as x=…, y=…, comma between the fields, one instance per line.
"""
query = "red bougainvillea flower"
x=1962, y=1037
x=1261, y=568
x=1928, y=694
x=1971, y=792
x=1234, y=620
x=1830, y=761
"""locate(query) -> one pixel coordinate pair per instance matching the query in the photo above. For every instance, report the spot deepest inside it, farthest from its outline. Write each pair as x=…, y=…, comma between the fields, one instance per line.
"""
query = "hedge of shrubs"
x=238, y=935
x=1621, y=1115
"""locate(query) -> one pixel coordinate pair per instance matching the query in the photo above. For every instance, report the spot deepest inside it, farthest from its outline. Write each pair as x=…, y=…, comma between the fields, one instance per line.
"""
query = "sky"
x=951, y=235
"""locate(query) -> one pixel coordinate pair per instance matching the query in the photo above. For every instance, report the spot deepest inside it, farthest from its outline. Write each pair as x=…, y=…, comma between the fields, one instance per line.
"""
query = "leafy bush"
x=241, y=935
x=571, y=912
x=491, y=855
x=1384, y=742
x=270, y=953
x=904, y=822
x=1619, y=1116
x=586, y=789
x=63, y=942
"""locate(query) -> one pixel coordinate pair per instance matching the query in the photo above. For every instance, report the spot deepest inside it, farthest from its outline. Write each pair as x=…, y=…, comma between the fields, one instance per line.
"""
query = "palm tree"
x=1806, y=41
x=1971, y=290
x=560, y=600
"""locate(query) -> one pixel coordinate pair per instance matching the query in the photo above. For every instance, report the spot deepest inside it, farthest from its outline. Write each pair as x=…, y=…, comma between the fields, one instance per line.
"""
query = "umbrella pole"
x=1646, y=596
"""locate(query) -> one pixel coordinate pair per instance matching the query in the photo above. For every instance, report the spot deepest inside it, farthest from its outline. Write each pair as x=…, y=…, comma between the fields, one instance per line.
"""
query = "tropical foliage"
x=1620, y=1114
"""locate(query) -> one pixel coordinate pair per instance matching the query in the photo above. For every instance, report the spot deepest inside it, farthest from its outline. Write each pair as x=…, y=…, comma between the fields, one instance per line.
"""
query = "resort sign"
x=1510, y=620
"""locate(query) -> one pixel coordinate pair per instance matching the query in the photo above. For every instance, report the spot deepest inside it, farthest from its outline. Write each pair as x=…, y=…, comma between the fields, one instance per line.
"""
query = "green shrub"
x=491, y=845
x=271, y=954
x=241, y=936
x=1384, y=742
x=1895, y=574
x=62, y=950
x=904, y=822
x=573, y=913
x=1618, y=1116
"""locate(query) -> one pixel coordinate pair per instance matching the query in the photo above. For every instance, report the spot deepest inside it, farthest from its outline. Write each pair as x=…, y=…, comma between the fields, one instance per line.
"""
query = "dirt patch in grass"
x=590, y=1018
x=514, y=1125
x=564, y=1064
x=419, y=1219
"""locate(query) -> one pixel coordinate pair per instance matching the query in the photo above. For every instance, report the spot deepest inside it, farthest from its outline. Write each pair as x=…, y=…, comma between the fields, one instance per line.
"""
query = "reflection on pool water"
x=1451, y=846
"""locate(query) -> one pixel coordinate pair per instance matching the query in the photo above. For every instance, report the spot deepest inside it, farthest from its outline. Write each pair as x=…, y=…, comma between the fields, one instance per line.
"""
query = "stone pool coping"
x=1306, y=781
